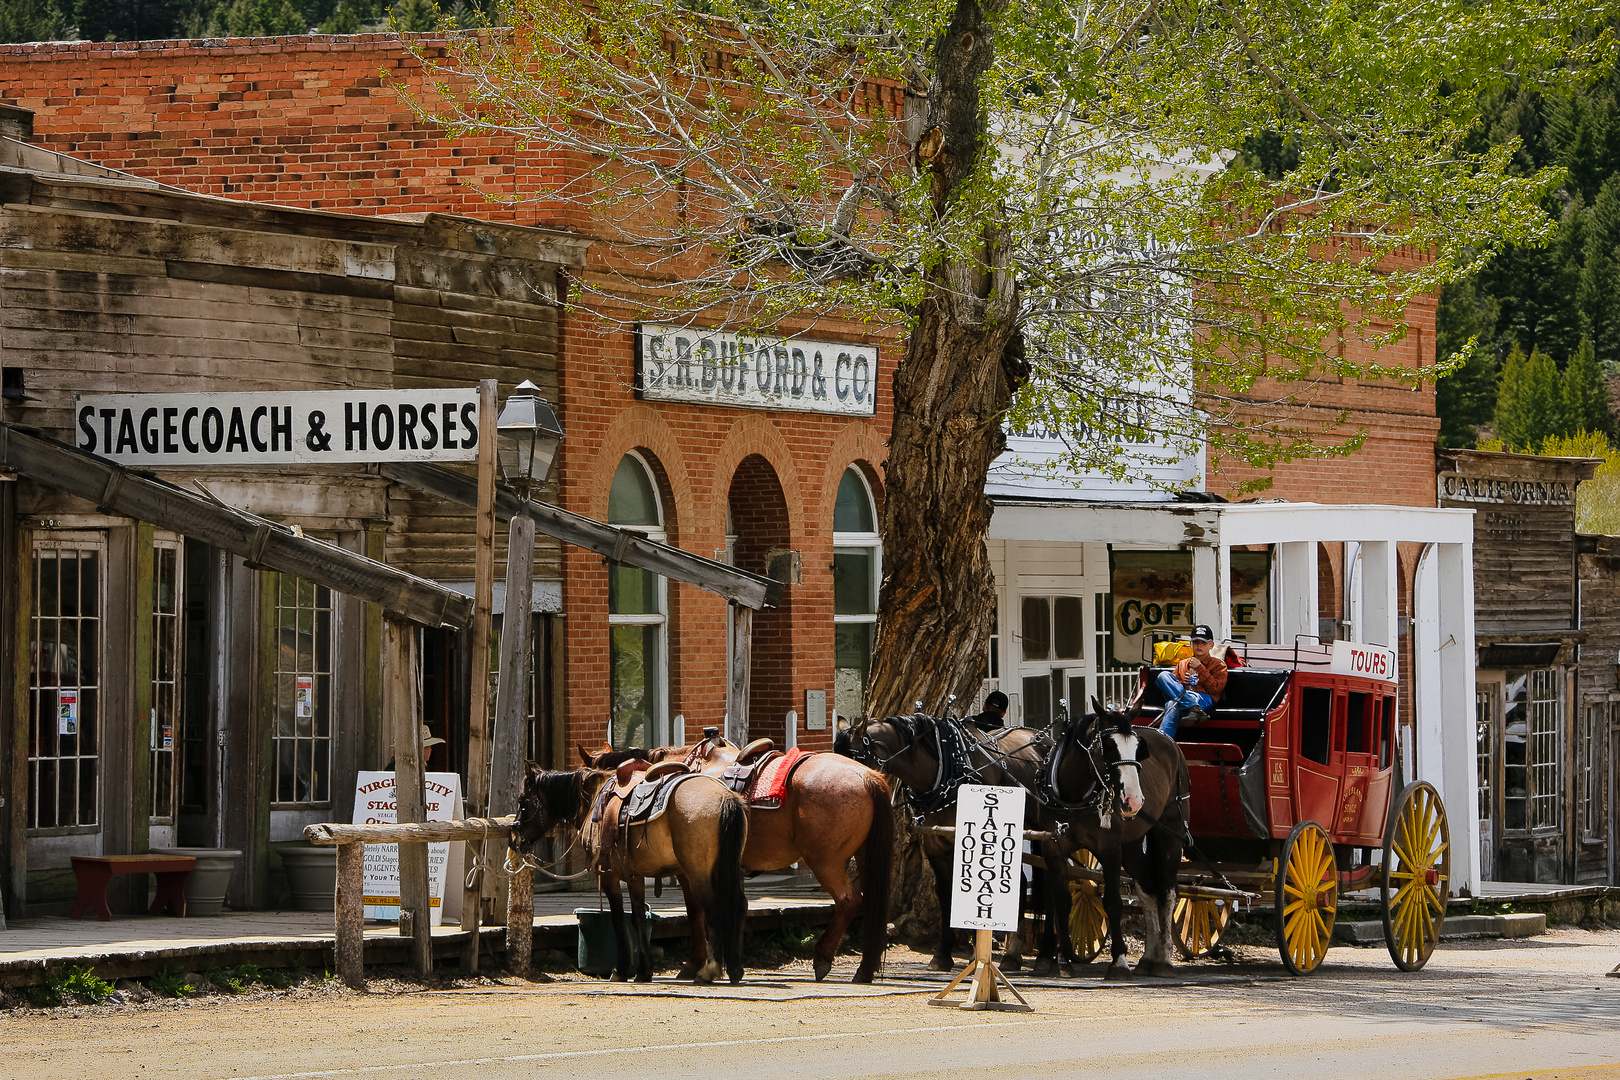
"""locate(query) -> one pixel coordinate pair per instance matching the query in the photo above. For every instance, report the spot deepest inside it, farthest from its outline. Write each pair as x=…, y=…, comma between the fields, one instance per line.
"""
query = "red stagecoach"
x=1294, y=801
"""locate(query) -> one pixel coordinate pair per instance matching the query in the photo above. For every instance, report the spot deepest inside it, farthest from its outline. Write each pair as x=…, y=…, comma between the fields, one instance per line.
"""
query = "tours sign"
x=272, y=428
x=988, y=870
x=713, y=367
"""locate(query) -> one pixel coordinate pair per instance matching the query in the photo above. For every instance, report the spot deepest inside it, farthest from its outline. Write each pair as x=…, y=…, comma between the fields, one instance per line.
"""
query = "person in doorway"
x=1194, y=685
x=430, y=742
x=993, y=718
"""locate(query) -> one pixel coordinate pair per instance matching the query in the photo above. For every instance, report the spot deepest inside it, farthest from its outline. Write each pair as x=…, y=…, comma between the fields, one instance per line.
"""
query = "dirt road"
x=1541, y=1007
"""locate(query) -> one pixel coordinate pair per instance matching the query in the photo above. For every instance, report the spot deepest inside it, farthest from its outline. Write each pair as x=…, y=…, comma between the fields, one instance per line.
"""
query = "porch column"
x=1379, y=594
x=1223, y=578
x=1209, y=592
x=1457, y=775
x=1294, y=591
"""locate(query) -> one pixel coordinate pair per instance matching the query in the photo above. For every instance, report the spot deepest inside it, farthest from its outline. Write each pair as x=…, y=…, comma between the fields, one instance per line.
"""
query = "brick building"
x=316, y=122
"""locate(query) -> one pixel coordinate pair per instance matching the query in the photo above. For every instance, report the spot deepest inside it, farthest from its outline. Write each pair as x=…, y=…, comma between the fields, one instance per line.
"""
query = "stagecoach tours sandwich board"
x=374, y=805
x=987, y=876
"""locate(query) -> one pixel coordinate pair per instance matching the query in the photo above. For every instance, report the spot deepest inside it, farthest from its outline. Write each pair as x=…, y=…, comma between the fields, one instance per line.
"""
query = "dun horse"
x=699, y=837
x=832, y=809
x=1122, y=790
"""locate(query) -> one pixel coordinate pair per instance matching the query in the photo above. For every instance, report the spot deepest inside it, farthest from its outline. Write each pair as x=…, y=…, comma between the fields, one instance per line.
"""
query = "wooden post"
x=506, y=767
x=520, y=921
x=737, y=680
x=410, y=792
x=983, y=994
x=350, y=914
x=478, y=721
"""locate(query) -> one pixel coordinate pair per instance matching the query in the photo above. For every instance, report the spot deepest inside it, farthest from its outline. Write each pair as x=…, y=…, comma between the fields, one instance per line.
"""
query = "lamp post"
x=529, y=436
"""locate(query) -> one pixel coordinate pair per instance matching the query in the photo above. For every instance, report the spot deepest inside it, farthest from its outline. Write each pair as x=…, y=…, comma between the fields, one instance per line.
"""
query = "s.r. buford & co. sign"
x=713, y=367
x=270, y=428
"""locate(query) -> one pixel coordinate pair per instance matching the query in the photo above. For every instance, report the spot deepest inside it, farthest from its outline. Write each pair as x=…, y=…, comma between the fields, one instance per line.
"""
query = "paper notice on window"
x=67, y=712
x=304, y=696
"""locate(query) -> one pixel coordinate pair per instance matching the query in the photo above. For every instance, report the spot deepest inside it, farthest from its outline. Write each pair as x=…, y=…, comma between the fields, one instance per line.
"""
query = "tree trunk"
x=962, y=363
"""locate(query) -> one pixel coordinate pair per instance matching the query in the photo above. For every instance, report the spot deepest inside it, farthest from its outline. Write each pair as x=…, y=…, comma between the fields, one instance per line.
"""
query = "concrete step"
x=1455, y=928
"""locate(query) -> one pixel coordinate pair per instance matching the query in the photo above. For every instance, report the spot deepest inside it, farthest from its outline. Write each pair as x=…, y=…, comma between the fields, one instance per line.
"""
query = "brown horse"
x=834, y=809
x=699, y=837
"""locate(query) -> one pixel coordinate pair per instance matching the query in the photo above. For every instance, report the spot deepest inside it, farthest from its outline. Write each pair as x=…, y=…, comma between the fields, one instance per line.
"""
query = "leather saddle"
x=638, y=794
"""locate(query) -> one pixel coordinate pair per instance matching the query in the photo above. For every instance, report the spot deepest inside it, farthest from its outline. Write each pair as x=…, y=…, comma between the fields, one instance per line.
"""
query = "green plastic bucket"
x=598, y=951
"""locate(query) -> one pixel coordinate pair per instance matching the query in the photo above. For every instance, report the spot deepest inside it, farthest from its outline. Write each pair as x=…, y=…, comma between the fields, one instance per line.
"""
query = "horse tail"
x=730, y=903
x=878, y=874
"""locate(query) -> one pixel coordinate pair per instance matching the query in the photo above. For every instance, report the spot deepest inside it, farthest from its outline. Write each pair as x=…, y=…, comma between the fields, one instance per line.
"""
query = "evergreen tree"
x=36, y=20
x=1529, y=401
x=1586, y=395
x=1466, y=398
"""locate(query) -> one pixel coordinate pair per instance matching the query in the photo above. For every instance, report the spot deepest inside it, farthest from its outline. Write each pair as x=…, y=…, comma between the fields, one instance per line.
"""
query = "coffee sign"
x=713, y=367
x=275, y=428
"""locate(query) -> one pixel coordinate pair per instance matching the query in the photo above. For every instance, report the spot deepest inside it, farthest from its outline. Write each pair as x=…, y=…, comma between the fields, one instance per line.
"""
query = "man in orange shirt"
x=1195, y=683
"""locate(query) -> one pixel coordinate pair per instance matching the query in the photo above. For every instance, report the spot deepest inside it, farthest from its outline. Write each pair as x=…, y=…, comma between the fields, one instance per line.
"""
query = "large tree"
x=1104, y=219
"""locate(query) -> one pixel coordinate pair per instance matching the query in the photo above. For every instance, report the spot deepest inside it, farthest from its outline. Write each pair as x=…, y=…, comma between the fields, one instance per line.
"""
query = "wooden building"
x=161, y=690
x=1537, y=686
x=1595, y=766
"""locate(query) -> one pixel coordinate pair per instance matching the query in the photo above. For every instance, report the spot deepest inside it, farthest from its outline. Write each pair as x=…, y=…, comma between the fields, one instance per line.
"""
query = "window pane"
x=1316, y=723
x=1038, y=701
x=852, y=660
x=1068, y=628
x=852, y=581
x=64, y=684
x=303, y=720
x=853, y=511
x=1546, y=758
x=1515, y=733
x=634, y=660
x=632, y=591
x=631, y=500
x=1037, y=629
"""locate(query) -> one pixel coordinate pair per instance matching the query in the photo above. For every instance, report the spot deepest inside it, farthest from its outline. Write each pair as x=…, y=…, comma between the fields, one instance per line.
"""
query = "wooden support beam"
x=267, y=545
x=327, y=834
x=350, y=904
x=520, y=921
x=410, y=793
x=511, y=697
x=478, y=742
x=624, y=546
x=738, y=679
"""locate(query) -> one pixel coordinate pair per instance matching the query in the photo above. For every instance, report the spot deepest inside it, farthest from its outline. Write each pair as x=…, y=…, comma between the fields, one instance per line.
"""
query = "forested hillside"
x=141, y=20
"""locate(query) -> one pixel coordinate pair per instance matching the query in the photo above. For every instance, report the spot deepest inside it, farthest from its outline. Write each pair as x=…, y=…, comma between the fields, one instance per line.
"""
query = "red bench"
x=93, y=872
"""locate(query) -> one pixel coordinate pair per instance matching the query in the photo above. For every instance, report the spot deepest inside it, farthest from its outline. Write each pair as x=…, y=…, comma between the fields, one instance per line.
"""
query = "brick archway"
x=759, y=514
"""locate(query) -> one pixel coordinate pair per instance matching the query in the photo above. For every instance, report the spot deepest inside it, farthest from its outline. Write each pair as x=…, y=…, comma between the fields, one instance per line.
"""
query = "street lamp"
x=529, y=437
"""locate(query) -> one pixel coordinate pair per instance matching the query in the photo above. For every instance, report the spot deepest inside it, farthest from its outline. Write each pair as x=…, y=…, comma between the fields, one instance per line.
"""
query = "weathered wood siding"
x=110, y=285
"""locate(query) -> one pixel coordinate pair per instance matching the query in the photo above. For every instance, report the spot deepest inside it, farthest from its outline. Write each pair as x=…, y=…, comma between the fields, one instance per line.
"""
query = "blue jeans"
x=1177, y=698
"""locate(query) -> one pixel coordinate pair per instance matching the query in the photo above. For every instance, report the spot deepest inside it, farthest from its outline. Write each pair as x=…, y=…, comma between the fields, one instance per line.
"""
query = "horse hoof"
x=1066, y=971
x=735, y=976
x=686, y=974
x=1159, y=969
x=862, y=976
x=1117, y=974
x=941, y=963
x=1012, y=963
x=618, y=976
x=1041, y=969
x=821, y=968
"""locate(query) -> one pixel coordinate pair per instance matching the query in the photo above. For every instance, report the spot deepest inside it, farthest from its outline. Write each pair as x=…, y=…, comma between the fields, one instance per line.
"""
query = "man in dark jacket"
x=995, y=712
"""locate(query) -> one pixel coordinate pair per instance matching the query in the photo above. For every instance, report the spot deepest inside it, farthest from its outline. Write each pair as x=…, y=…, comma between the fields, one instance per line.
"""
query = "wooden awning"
x=624, y=546
x=264, y=544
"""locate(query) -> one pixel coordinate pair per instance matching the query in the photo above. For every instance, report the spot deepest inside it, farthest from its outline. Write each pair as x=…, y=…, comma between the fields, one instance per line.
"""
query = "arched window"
x=857, y=570
x=637, y=619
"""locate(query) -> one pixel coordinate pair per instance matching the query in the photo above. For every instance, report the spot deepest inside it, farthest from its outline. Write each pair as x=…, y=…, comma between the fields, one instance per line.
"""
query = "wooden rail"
x=349, y=907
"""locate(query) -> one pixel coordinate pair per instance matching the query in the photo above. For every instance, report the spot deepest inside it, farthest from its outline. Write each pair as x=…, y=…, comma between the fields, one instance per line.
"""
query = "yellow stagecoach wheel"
x=1088, y=923
x=1307, y=889
x=1200, y=921
x=1417, y=875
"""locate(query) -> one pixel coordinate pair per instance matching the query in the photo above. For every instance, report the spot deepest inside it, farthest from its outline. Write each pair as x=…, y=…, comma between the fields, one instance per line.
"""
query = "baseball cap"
x=430, y=739
x=1202, y=633
x=996, y=700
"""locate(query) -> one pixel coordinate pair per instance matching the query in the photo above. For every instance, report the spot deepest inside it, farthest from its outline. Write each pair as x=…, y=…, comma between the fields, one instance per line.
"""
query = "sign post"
x=987, y=876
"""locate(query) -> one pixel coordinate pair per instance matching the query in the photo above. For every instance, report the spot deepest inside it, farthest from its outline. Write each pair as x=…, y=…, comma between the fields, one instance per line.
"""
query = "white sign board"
x=1369, y=661
x=712, y=367
x=988, y=871
x=277, y=428
x=374, y=805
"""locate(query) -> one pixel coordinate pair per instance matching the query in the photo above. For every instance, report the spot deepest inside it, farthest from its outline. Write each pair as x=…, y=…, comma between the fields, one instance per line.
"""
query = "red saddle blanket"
x=770, y=785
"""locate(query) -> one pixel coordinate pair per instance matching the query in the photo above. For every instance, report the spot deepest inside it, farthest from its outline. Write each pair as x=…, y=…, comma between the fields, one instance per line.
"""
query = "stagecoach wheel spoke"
x=1088, y=923
x=1200, y=921
x=1307, y=892
x=1417, y=875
